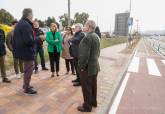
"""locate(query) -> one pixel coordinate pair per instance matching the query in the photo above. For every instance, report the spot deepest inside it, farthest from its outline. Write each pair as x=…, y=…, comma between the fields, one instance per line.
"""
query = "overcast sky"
x=150, y=13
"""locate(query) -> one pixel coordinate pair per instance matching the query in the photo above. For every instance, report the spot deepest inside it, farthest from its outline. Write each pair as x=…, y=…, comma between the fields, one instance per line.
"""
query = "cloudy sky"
x=150, y=13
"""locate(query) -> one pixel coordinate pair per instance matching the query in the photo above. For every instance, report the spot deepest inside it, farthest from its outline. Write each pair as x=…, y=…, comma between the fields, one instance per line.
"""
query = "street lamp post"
x=69, y=20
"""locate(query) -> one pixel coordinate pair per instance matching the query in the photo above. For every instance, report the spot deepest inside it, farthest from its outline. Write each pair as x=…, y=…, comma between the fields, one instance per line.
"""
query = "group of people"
x=80, y=47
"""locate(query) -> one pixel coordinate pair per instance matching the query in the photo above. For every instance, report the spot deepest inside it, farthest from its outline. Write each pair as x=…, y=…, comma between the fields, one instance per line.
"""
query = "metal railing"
x=158, y=45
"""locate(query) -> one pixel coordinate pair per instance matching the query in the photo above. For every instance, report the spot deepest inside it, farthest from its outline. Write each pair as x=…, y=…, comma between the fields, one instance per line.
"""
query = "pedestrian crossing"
x=152, y=67
x=151, y=64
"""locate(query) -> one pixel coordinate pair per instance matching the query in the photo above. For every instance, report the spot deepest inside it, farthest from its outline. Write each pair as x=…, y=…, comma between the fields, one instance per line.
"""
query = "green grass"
x=105, y=42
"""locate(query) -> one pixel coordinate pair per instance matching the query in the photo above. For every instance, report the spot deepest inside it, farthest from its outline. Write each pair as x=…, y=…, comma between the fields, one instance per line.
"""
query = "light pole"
x=129, y=26
x=69, y=21
x=137, y=21
x=130, y=8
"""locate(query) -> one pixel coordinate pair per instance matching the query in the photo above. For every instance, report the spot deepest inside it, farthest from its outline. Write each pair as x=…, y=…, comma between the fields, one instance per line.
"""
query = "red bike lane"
x=143, y=88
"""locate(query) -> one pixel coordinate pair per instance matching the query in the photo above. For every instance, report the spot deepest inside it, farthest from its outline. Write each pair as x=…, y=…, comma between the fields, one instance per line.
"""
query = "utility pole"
x=69, y=20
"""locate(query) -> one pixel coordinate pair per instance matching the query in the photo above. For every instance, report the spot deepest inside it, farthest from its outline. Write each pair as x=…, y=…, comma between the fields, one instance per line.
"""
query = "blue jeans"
x=39, y=50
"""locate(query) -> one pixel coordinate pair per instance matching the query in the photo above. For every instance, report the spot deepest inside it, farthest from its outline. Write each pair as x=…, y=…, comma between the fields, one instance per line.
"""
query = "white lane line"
x=118, y=97
x=134, y=66
x=163, y=61
x=152, y=67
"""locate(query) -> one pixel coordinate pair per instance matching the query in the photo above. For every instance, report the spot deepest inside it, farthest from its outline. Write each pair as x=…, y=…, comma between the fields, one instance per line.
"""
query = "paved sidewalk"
x=57, y=95
x=142, y=90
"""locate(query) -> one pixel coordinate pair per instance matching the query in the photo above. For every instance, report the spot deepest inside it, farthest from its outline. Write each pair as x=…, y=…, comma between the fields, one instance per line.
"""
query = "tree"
x=64, y=20
x=49, y=21
x=41, y=23
x=81, y=17
x=5, y=17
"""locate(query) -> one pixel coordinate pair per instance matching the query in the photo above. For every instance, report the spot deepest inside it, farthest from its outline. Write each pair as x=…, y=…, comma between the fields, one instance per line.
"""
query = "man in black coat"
x=23, y=42
x=39, y=38
x=2, y=57
x=74, y=49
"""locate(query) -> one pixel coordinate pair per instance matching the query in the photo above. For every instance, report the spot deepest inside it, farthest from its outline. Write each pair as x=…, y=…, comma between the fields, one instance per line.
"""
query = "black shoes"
x=36, y=71
x=77, y=84
x=76, y=80
x=82, y=109
x=30, y=87
x=57, y=74
x=44, y=68
x=6, y=80
x=53, y=74
x=94, y=105
x=30, y=92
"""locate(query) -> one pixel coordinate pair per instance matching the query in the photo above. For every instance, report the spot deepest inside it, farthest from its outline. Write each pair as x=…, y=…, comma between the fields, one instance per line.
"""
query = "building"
x=121, y=24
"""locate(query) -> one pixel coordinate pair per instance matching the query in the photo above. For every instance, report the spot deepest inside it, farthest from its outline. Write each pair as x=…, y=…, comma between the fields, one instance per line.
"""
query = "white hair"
x=79, y=25
x=91, y=24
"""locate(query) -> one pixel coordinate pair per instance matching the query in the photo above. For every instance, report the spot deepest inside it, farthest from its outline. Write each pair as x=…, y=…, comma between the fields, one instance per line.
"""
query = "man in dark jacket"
x=88, y=66
x=2, y=57
x=74, y=49
x=39, y=38
x=23, y=42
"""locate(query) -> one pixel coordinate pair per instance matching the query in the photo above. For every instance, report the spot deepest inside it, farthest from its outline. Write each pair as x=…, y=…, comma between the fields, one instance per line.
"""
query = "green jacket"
x=89, y=52
x=51, y=42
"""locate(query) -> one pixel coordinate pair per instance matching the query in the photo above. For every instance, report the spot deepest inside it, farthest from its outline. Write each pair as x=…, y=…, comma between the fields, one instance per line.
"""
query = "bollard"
x=158, y=47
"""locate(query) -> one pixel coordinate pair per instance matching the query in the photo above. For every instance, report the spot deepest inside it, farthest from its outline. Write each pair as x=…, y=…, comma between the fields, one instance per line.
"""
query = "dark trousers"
x=28, y=70
x=2, y=66
x=71, y=62
x=76, y=68
x=54, y=60
x=18, y=64
x=39, y=50
x=89, y=89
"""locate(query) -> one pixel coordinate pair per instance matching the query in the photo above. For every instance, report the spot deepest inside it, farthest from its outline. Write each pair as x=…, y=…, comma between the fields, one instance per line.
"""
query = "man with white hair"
x=88, y=66
x=74, y=49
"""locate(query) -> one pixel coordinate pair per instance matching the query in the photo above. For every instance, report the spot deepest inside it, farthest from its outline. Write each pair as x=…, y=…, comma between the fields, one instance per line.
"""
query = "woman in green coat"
x=54, y=40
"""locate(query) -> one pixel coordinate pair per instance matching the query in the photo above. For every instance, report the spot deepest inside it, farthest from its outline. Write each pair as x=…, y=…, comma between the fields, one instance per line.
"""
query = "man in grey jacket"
x=74, y=50
x=88, y=66
x=18, y=63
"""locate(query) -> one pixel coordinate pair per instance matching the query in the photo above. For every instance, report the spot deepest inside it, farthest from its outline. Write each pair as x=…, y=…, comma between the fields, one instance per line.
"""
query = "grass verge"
x=105, y=42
